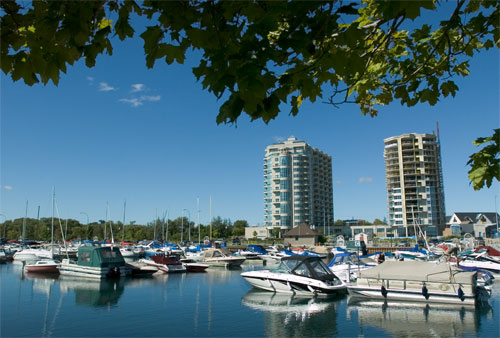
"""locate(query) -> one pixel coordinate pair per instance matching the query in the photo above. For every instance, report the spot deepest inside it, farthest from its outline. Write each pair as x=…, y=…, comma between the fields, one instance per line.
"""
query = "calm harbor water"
x=217, y=303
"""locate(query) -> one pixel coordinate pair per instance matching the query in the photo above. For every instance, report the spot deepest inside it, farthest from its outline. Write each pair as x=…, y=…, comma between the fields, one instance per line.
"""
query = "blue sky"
x=121, y=131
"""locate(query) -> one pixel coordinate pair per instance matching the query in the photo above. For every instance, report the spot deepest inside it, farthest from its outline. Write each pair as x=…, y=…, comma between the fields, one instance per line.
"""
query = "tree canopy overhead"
x=257, y=56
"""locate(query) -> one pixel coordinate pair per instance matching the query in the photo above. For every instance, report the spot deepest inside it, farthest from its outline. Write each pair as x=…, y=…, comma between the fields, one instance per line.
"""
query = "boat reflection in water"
x=288, y=315
x=415, y=318
x=42, y=282
x=98, y=293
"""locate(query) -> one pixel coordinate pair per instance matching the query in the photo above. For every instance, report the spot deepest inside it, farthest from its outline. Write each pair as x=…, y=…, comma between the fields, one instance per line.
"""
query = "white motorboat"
x=301, y=275
x=28, y=254
x=247, y=254
x=418, y=282
x=221, y=257
x=346, y=265
x=480, y=261
x=129, y=252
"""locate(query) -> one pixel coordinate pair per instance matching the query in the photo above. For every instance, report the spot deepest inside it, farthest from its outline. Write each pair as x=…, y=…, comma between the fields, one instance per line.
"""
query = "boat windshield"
x=286, y=266
x=312, y=269
x=320, y=268
x=344, y=259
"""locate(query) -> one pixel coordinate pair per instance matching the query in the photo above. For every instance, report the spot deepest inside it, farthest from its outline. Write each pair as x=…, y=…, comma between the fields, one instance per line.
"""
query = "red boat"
x=195, y=266
x=167, y=263
x=43, y=266
x=490, y=251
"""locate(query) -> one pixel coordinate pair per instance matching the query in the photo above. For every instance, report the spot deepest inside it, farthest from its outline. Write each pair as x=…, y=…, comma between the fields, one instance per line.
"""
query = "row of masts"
x=165, y=215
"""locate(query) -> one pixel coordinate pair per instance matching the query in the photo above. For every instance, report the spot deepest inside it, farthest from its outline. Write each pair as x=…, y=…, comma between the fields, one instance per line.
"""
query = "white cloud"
x=365, y=180
x=279, y=139
x=137, y=87
x=150, y=98
x=338, y=182
x=104, y=87
x=90, y=79
x=7, y=187
x=133, y=102
x=139, y=101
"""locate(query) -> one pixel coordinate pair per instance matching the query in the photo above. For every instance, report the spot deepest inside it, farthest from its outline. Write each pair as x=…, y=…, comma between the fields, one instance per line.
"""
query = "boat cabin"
x=216, y=253
x=100, y=257
x=307, y=266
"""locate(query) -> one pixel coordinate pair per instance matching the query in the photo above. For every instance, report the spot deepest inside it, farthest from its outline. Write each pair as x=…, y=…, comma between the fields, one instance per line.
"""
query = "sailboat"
x=47, y=265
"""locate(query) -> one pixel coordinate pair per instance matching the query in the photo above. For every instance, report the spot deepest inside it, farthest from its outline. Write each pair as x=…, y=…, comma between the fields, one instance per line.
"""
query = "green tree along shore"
x=260, y=56
x=41, y=229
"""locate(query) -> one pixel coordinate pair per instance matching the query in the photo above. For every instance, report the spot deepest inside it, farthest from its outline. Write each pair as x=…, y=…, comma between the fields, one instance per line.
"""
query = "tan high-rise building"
x=297, y=186
x=414, y=183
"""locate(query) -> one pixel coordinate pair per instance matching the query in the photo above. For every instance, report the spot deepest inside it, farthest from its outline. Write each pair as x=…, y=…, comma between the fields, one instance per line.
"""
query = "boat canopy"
x=307, y=266
x=419, y=271
x=100, y=256
x=257, y=249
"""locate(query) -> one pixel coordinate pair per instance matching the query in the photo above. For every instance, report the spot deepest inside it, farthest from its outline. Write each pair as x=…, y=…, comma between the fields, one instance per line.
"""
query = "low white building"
x=256, y=232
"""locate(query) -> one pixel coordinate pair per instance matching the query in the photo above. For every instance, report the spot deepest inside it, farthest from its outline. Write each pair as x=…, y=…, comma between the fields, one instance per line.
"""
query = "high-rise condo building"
x=297, y=186
x=414, y=183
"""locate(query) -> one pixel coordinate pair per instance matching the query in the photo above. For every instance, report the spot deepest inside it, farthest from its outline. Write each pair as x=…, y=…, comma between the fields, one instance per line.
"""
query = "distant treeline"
x=41, y=229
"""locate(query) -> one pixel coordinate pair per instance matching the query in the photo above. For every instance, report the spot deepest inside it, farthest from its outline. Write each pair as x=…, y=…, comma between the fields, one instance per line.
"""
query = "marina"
x=216, y=303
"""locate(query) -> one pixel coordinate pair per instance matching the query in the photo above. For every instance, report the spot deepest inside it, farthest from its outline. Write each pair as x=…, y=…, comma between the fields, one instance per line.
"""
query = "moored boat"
x=418, y=282
x=129, y=252
x=301, y=275
x=346, y=265
x=43, y=266
x=195, y=266
x=221, y=257
x=95, y=262
x=165, y=263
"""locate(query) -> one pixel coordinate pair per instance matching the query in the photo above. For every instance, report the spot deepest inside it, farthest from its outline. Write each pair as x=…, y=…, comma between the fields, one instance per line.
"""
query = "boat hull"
x=72, y=269
x=291, y=284
x=411, y=296
x=196, y=267
x=228, y=262
x=44, y=269
x=165, y=268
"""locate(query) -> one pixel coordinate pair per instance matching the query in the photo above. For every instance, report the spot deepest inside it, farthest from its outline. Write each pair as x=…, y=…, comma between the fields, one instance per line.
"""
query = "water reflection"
x=291, y=316
x=42, y=282
x=99, y=293
x=409, y=319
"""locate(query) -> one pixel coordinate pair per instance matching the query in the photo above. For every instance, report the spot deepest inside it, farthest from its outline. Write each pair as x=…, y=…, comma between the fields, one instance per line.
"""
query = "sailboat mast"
x=124, y=208
x=210, y=217
x=52, y=222
x=166, y=232
x=23, y=235
x=199, y=231
x=111, y=231
x=106, y=222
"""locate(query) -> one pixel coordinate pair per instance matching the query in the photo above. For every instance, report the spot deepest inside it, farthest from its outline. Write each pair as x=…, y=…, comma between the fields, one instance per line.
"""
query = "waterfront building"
x=478, y=224
x=297, y=187
x=414, y=183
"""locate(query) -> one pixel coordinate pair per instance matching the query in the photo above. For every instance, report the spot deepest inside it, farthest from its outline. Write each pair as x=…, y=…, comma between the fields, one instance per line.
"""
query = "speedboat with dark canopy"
x=301, y=275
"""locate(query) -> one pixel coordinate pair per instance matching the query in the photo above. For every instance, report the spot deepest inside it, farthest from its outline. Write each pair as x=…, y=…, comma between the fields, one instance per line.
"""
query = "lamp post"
x=84, y=213
x=189, y=225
